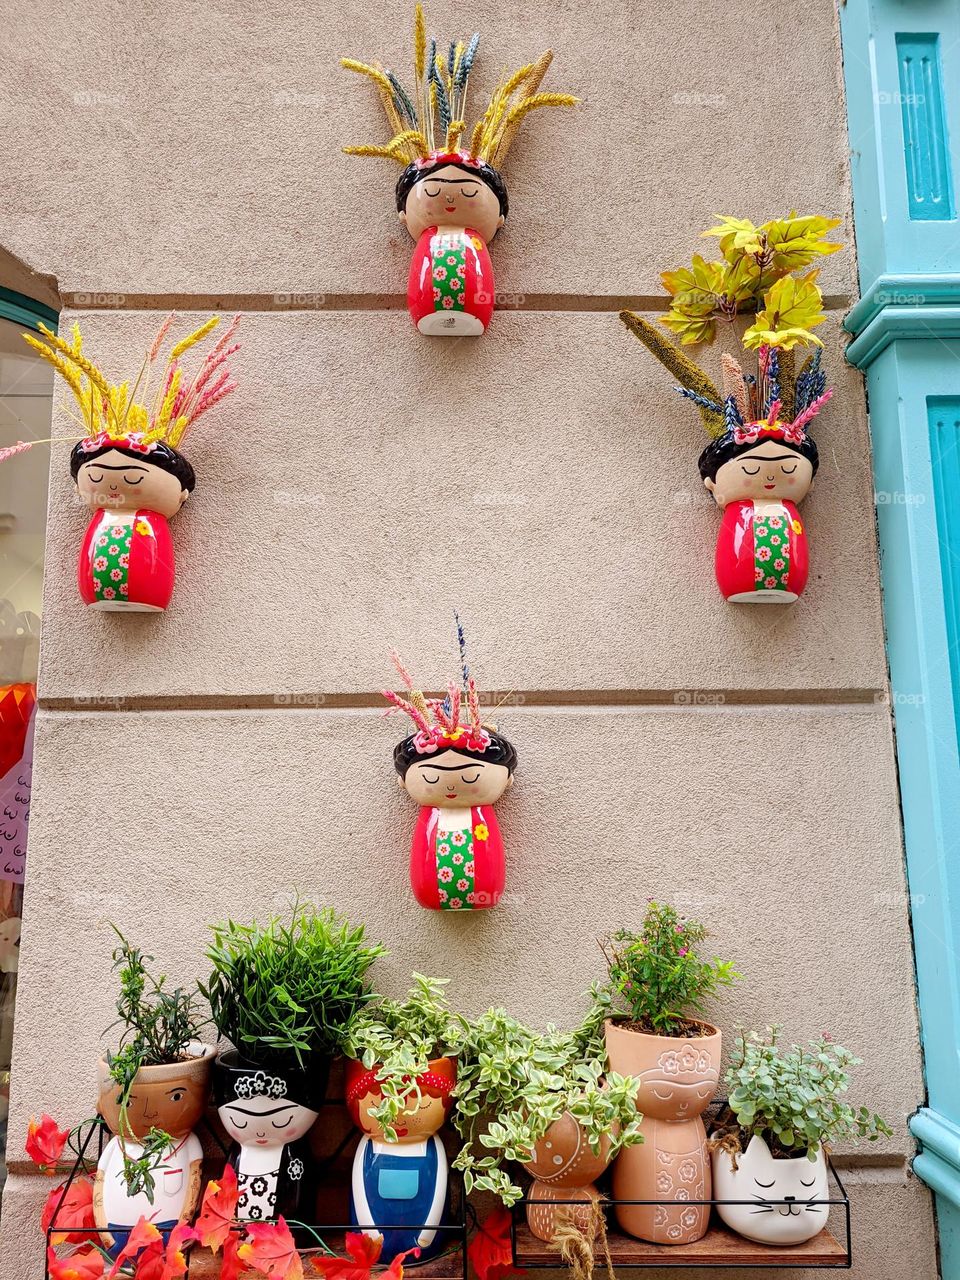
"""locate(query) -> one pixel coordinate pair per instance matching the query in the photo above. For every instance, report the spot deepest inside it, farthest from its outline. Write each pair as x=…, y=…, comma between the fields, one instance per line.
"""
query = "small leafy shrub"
x=656, y=977
x=403, y=1036
x=793, y=1098
x=514, y=1082
x=287, y=990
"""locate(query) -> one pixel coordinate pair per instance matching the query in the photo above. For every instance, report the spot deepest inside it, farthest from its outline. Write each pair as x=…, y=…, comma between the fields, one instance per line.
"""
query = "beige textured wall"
x=363, y=481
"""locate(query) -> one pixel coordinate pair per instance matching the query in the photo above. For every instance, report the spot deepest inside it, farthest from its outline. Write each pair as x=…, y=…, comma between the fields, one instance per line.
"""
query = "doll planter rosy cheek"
x=400, y=1189
x=452, y=207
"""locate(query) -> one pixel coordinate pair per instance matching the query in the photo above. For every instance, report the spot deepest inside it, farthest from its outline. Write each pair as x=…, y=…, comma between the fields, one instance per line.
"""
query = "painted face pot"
x=785, y=1197
x=678, y=1076
x=172, y=1098
x=131, y=490
x=268, y=1113
x=452, y=206
x=400, y=1190
x=563, y=1168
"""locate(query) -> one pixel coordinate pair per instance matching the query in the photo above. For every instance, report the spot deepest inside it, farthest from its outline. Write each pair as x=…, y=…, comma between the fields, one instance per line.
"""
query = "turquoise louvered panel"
x=943, y=416
x=925, y=143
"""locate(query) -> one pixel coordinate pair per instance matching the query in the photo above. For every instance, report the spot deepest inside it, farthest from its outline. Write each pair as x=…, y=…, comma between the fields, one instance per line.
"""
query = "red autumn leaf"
x=45, y=1142
x=84, y=1264
x=364, y=1254
x=75, y=1212
x=144, y=1235
x=149, y=1262
x=231, y=1266
x=269, y=1249
x=172, y=1262
x=218, y=1211
x=490, y=1251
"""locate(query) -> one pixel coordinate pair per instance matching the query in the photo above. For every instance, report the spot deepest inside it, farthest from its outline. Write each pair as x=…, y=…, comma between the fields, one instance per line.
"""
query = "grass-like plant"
x=792, y=1097
x=657, y=981
x=288, y=990
x=403, y=1036
x=514, y=1082
x=159, y=1026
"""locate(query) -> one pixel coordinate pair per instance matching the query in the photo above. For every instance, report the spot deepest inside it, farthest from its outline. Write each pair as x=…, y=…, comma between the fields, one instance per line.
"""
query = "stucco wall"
x=364, y=480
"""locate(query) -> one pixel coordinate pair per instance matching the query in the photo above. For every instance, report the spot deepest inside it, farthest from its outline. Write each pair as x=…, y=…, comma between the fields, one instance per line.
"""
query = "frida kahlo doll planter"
x=268, y=1113
x=128, y=470
x=759, y=465
x=171, y=1098
x=456, y=772
x=400, y=1190
x=450, y=196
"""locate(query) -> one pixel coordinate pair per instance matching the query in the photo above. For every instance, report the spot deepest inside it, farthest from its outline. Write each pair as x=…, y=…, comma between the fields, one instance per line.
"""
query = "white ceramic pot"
x=763, y=1181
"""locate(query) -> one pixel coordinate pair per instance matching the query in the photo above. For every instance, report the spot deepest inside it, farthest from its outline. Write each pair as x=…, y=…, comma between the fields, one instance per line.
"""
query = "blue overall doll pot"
x=268, y=1111
x=400, y=1190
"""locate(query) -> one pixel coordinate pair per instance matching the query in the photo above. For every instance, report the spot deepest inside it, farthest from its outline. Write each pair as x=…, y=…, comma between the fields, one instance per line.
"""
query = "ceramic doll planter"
x=455, y=770
x=171, y=1097
x=268, y=1112
x=678, y=1077
x=756, y=1176
x=128, y=470
x=564, y=1168
x=402, y=1186
x=451, y=195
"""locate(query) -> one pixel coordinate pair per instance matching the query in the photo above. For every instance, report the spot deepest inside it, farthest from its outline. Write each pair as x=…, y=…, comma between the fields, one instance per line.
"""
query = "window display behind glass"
x=26, y=390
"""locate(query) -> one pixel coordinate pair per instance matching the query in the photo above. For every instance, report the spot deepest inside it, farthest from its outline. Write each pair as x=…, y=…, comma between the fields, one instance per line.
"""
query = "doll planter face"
x=126, y=559
x=758, y=477
x=172, y=1098
x=452, y=207
x=564, y=1167
x=268, y=1114
x=759, y=1178
x=401, y=1186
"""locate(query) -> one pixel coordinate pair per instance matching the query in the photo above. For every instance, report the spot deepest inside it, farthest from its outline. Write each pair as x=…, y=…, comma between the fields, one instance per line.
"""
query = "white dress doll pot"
x=781, y=1194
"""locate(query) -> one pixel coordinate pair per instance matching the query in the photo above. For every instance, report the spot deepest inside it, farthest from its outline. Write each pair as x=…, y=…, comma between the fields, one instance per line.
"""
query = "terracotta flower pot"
x=402, y=1185
x=764, y=1179
x=171, y=1097
x=678, y=1077
x=564, y=1168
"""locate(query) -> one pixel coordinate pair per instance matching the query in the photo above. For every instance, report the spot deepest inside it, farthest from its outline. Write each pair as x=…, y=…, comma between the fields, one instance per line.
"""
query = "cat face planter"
x=564, y=1168
x=678, y=1077
x=763, y=1181
x=173, y=1098
x=403, y=1185
x=268, y=1113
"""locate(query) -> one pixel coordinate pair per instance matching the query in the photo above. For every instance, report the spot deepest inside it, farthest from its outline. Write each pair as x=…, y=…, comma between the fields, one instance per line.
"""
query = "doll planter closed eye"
x=128, y=470
x=760, y=462
x=451, y=196
x=456, y=769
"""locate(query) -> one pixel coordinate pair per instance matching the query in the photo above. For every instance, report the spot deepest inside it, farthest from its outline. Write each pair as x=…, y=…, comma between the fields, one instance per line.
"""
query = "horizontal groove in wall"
x=607, y=699
x=316, y=300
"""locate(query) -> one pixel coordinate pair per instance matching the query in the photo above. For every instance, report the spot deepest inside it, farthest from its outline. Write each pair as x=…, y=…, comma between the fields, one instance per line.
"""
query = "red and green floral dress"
x=761, y=556
x=458, y=869
x=450, y=287
x=126, y=564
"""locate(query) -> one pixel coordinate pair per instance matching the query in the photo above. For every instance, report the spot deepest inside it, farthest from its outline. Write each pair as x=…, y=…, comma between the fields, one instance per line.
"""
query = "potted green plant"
x=785, y=1106
x=399, y=1090
x=152, y=1092
x=657, y=985
x=545, y=1100
x=284, y=994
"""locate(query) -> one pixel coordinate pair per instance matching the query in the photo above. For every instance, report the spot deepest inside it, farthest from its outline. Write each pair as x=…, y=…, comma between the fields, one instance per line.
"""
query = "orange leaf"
x=218, y=1211
x=174, y=1258
x=75, y=1212
x=45, y=1142
x=85, y=1264
x=143, y=1236
x=490, y=1251
x=364, y=1253
x=231, y=1266
x=269, y=1249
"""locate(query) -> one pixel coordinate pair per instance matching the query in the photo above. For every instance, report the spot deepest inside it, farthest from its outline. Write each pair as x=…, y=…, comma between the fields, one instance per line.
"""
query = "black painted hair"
x=161, y=456
x=415, y=172
x=500, y=751
x=725, y=449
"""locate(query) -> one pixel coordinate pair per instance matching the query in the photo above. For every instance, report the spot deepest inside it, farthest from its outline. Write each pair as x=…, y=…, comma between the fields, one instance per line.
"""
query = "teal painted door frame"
x=902, y=74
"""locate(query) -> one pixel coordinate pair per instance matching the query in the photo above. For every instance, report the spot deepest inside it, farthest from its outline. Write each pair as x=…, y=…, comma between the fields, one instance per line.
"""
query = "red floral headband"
x=133, y=441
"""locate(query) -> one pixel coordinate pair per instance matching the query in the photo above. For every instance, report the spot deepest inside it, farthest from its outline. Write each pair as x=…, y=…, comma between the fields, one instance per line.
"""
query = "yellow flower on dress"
x=796, y=526
x=480, y=831
x=142, y=527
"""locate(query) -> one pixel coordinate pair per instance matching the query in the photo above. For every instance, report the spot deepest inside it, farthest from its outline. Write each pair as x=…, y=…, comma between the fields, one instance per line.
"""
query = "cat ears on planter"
x=431, y=120
x=160, y=406
x=779, y=401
